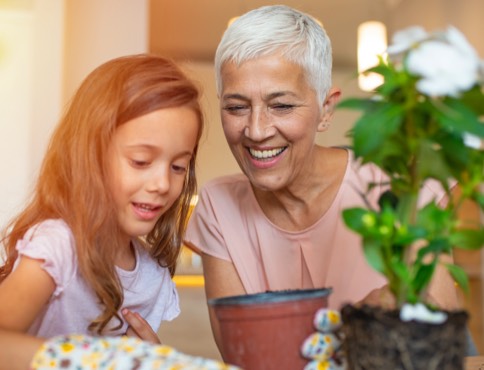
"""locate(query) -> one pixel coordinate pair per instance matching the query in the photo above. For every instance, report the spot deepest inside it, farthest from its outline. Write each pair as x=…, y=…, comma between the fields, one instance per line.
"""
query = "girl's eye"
x=179, y=169
x=139, y=164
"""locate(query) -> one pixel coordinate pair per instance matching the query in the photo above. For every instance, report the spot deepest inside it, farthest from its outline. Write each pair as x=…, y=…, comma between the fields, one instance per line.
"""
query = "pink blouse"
x=228, y=223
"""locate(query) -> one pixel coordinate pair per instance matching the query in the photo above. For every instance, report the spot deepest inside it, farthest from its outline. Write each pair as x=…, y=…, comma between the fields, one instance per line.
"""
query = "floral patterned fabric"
x=115, y=353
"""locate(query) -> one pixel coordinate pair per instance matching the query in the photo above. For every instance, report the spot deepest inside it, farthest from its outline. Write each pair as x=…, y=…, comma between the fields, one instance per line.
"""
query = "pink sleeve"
x=203, y=231
x=433, y=190
x=52, y=242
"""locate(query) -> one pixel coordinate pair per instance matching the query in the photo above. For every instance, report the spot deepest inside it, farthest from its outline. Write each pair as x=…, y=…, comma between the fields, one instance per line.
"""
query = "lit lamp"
x=372, y=41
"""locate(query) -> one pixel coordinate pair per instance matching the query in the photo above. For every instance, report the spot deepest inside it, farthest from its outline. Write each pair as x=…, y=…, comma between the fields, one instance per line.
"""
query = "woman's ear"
x=329, y=104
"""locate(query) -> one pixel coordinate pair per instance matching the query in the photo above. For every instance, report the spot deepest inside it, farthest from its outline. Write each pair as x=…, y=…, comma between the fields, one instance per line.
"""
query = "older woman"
x=278, y=225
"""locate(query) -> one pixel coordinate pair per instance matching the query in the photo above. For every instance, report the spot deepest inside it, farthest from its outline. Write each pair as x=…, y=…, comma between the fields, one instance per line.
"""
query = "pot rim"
x=271, y=296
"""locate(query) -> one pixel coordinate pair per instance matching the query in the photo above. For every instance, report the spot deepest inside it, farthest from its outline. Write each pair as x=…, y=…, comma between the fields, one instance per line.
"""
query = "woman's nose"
x=259, y=126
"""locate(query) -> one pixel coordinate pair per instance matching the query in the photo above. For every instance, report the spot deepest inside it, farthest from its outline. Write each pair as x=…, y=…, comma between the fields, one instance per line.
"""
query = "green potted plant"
x=424, y=123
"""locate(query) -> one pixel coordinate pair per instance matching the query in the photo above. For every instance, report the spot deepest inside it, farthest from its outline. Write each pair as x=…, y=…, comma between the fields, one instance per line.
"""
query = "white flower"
x=455, y=38
x=481, y=71
x=420, y=312
x=446, y=63
x=405, y=39
x=473, y=141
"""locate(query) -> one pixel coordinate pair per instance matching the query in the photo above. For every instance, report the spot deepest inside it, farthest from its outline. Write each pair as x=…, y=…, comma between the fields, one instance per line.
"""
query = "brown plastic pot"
x=266, y=330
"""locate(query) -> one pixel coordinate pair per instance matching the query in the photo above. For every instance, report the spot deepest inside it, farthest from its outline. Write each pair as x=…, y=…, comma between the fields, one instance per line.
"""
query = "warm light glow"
x=372, y=41
x=231, y=20
x=194, y=200
x=189, y=280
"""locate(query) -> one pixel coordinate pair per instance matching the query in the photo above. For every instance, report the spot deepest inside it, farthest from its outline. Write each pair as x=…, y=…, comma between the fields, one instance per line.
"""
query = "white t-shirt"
x=148, y=289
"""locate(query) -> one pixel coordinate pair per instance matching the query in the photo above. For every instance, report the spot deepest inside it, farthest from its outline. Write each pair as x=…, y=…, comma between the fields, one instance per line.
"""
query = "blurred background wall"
x=48, y=46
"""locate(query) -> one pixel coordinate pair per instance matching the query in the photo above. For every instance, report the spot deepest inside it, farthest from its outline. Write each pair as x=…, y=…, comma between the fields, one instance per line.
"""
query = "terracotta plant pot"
x=266, y=330
x=377, y=339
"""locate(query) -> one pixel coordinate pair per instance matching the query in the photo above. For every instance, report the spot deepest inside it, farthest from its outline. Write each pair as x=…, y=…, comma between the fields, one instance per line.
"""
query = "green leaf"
x=470, y=239
x=434, y=218
x=459, y=275
x=357, y=104
x=360, y=220
x=373, y=129
x=373, y=253
x=474, y=99
x=407, y=235
x=431, y=163
x=401, y=270
x=454, y=151
x=423, y=277
x=456, y=117
x=434, y=246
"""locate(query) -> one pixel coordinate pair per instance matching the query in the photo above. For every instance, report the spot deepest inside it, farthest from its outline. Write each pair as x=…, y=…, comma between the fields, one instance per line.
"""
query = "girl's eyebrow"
x=154, y=147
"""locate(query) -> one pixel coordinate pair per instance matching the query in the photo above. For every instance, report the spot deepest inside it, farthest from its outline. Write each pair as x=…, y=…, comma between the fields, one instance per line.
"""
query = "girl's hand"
x=139, y=327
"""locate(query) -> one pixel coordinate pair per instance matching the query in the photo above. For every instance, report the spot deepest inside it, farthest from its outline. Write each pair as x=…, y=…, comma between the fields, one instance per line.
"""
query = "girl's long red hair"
x=73, y=183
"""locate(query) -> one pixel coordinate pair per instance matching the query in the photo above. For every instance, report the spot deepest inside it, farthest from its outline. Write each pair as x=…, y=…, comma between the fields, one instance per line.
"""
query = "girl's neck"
x=126, y=258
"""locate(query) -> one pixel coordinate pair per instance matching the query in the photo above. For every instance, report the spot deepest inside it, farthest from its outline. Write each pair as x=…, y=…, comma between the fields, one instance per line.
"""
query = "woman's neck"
x=301, y=205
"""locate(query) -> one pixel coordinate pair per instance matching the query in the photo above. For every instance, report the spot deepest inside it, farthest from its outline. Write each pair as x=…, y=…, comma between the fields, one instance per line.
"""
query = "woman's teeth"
x=265, y=154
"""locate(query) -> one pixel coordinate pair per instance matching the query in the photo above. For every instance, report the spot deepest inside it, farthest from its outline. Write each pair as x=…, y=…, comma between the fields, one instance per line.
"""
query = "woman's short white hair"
x=279, y=29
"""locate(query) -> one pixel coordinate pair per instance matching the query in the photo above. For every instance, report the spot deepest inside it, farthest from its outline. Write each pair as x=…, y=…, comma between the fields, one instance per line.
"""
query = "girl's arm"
x=23, y=294
x=17, y=350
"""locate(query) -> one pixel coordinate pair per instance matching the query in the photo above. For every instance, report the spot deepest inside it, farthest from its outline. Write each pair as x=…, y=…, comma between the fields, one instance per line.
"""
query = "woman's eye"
x=236, y=109
x=282, y=107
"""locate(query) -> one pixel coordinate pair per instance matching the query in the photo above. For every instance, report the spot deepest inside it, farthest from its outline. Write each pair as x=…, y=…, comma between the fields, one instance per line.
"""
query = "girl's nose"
x=160, y=181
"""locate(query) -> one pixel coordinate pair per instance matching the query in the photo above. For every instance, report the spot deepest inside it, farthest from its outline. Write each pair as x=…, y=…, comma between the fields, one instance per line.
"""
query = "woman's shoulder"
x=362, y=172
x=227, y=199
x=227, y=187
x=236, y=179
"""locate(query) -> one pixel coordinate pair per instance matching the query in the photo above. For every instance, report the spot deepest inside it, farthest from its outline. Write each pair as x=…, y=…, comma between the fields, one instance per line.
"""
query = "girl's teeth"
x=145, y=207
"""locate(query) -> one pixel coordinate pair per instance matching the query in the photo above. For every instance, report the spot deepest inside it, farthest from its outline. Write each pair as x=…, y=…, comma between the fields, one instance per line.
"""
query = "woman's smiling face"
x=270, y=117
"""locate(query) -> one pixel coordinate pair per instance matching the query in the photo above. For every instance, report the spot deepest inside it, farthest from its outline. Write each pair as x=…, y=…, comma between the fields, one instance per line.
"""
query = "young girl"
x=103, y=230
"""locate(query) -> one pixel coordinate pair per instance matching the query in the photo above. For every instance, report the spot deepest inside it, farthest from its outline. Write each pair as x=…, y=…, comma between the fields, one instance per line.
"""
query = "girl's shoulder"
x=52, y=242
x=49, y=229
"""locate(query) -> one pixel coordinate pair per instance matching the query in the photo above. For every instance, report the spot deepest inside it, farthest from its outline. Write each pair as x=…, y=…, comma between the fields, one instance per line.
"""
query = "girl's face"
x=270, y=117
x=148, y=161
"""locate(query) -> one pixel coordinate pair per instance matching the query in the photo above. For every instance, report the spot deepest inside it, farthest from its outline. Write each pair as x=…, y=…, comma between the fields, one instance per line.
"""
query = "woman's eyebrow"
x=235, y=96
